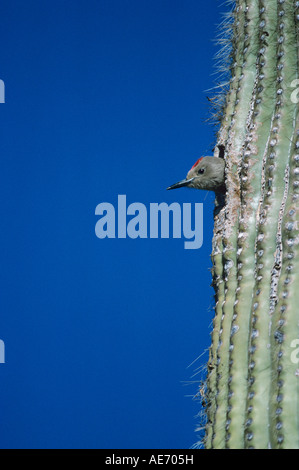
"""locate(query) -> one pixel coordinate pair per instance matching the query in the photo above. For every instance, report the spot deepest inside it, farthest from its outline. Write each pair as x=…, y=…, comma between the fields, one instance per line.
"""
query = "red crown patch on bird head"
x=196, y=163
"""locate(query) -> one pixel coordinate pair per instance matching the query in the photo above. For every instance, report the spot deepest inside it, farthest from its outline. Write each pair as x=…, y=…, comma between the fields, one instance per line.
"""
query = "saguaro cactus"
x=253, y=379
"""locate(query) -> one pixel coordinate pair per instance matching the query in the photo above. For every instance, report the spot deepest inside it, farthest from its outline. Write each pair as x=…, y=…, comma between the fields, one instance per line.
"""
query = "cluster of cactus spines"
x=253, y=384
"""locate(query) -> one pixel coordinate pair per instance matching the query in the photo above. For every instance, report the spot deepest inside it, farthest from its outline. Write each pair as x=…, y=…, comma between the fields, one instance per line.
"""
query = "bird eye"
x=201, y=171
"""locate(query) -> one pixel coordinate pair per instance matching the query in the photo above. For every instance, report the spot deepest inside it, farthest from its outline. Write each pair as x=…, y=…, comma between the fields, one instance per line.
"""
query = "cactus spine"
x=253, y=378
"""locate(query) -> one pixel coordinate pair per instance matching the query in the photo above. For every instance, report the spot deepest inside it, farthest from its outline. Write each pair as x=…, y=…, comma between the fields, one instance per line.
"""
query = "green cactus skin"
x=253, y=370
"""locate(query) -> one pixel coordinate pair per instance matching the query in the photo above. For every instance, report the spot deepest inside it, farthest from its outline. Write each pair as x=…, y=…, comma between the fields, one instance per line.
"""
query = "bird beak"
x=180, y=184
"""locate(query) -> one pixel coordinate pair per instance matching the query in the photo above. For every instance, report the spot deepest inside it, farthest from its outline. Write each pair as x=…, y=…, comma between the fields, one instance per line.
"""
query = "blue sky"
x=103, y=98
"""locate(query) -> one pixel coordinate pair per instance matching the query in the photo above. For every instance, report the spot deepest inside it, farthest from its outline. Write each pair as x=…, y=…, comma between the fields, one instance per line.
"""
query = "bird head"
x=206, y=173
